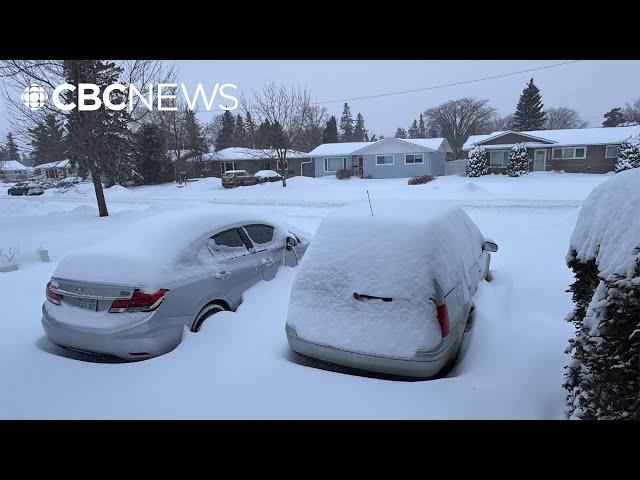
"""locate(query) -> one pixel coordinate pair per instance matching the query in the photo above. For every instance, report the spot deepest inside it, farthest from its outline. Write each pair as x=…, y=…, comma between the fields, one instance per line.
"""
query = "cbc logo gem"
x=33, y=97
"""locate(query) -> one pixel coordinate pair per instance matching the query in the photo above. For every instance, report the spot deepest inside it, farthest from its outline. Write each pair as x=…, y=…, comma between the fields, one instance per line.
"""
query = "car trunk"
x=90, y=296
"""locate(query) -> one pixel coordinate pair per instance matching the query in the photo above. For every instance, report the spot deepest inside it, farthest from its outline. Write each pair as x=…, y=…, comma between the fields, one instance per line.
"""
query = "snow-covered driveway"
x=239, y=366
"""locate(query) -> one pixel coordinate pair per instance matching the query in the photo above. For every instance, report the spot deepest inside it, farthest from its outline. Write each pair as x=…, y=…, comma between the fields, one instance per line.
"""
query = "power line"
x=434, y=87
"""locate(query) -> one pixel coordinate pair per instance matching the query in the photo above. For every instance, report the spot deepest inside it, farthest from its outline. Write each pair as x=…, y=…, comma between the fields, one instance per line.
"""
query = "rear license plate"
x=86, y=303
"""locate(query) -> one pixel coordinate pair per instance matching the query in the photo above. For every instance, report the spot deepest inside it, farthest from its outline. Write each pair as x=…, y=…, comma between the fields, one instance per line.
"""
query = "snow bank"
x=158, y=249
x=395, y=253
x=608, y=226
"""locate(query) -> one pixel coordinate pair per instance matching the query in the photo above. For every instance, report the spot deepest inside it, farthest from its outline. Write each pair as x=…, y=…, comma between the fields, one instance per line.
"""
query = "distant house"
x=582, y=150
x=54, y=170
x=386, y=158
x=254, y=160
x=14, y=171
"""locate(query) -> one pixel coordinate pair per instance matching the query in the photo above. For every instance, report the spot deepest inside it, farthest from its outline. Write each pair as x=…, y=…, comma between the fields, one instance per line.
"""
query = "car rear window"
x=259, y=233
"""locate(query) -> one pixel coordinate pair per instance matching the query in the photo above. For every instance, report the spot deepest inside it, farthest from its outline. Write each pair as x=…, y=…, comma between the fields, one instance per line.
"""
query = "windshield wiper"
x=362, y=296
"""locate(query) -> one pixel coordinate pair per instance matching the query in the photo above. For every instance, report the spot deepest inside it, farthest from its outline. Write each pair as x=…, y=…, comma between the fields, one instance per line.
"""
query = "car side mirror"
x=291, y=242
x=490, y=246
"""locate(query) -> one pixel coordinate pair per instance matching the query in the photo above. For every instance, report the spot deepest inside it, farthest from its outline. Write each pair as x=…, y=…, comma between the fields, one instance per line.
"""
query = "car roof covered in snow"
x=608, y=226
x=266, y=173
x=567, y=137
x=158, y=249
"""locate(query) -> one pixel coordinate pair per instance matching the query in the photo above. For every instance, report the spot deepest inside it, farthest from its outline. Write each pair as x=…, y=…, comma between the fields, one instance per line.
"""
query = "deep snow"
x=240, y=366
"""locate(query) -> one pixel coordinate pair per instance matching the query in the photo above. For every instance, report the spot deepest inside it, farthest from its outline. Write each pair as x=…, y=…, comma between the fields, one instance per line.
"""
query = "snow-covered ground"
x=240, y=366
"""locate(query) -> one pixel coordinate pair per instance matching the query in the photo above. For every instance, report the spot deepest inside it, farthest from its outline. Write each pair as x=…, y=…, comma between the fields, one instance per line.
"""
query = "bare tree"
x=631, y=112
x=457, y=119
x=563, y=117
x=287, y=110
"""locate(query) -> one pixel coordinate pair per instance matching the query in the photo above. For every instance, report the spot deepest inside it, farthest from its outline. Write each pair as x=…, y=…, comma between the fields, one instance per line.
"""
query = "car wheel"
x=206, y=312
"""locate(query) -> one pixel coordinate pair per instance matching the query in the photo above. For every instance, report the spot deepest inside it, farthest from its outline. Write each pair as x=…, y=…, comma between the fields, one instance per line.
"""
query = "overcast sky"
x=591, y=87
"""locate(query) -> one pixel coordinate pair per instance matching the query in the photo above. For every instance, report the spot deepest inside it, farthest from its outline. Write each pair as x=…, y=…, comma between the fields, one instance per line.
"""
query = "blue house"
x=386, y=158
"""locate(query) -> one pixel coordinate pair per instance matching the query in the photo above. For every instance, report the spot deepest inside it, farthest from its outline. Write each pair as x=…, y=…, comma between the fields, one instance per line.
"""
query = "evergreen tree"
x=330, y=133
x=150, y=154
x=518, y=163
x=477, y=163
x=359, y=131
x=239, y=133
x=373, y=138
x=614, y=117
x=193, y=134
x=11, y=149
x=47, y=141
x=422, y=130
x=628, y=155
x=529, y=114
x=346, y=124
x=225, y=137
x=401, y=133
x=413, y=131
x=250, y=131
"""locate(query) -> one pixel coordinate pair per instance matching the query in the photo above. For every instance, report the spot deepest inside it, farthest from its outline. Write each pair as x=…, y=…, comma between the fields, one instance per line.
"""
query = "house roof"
x=348, y=148
x=431, y=143
x=569, y=136
x=13, y=165
x=59, y=164
x=240, y=153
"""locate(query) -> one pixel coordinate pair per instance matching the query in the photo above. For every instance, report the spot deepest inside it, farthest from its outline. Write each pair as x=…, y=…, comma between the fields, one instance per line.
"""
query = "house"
x=55, y=170
x=582, y=150
x=386, y=158
x=254, y=160
x=14, y=171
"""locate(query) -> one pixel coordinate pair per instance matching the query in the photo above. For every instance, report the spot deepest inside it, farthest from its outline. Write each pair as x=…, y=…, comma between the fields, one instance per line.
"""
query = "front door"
x=539, y=160
x=360, y=166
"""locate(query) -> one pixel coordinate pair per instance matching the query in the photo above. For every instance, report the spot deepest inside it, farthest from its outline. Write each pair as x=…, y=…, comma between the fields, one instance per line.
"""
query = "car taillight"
x=443, y=319
x=52, y=296
x=139, y=302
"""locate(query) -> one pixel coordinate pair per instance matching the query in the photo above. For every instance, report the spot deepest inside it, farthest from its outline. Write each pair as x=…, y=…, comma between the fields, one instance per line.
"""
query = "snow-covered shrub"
x=420, y=179
x=603, y=378
x=628, y=154
x=477, y=163
x=343, y=174
x=518, y=163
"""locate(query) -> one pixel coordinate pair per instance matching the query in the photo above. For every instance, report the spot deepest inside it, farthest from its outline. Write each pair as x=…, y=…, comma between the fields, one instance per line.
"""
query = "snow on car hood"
x=395, y=253
x=161, y=248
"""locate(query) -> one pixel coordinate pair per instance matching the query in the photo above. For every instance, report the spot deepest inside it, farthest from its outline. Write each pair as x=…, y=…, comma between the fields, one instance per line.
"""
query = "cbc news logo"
x=33, y=97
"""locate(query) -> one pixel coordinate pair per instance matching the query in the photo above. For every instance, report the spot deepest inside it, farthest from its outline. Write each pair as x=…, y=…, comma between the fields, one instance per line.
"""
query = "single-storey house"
x=14, y=171
x=253, y=160
x=582, y=150
x=55, y=170
x=385, y=158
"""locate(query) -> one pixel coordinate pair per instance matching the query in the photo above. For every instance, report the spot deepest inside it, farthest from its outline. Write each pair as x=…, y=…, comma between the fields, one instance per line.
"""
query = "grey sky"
x=591, y=87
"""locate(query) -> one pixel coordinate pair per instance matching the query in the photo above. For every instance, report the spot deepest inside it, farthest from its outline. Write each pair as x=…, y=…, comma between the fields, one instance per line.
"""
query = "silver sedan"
x=130, y=322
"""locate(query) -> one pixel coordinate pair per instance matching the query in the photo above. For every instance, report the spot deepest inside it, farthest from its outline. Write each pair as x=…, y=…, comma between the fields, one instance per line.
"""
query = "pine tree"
x=413, y=131
x=529, y=114
x=150, y=154
x=250, y=131
x=47, y=141
x=422, y=130
x=225, y=137
x=193, y=134
x=401, y=133
x=239, y=133
x=262, y=138
x=11, y=149
x=346, y=124
x=518, y=163
x=359, y=131
x=628, y=154
x=330, y=133
x=477, y=163
x=614, y=117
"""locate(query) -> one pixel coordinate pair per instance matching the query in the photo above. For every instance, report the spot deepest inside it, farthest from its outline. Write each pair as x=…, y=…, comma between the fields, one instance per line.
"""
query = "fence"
x=456, y=167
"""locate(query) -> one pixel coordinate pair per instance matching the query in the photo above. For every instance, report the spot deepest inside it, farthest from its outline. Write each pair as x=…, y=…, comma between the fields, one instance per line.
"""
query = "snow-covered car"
x=132, y=296
x=268, y=176
x=389, y=292
x=26, y=188
x=238, y=178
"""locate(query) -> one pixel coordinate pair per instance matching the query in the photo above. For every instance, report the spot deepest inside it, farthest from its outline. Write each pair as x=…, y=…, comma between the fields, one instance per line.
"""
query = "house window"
x=569, y=153
x=384, y=159
x=498, y=158
x=413, y=158
x=226, y=166
x=611, y=151
x=335, y=164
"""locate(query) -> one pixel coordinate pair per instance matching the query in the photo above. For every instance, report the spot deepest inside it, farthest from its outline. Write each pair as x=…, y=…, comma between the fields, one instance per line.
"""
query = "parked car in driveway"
x=238, y=178
x=26, y=188
x=268, y=176
x=131, y=297
x=390, y=292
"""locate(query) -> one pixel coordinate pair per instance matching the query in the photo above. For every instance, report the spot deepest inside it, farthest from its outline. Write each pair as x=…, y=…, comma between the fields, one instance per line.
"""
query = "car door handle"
x=268, y=262
x=222, y=274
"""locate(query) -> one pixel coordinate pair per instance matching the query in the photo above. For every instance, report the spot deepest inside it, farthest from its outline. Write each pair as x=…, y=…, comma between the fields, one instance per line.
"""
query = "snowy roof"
x=59, y=164
x=612, y=240
x=431, y=143
x=240, y=153
x=571, y=136
x=181, y=153
x=13, y=165
x=345, y=148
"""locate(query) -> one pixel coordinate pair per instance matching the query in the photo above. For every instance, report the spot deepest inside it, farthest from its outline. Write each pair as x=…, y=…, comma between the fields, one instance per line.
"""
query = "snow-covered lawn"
x=240, y=366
